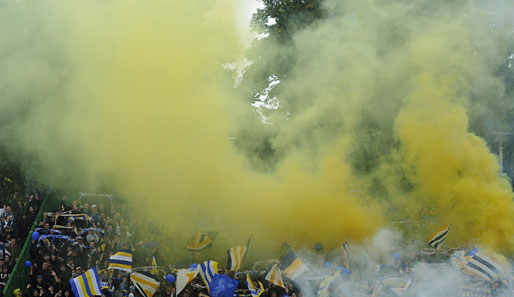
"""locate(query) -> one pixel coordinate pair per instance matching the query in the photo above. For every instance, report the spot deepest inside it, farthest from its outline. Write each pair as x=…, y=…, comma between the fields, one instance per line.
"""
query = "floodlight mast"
x=500, y=138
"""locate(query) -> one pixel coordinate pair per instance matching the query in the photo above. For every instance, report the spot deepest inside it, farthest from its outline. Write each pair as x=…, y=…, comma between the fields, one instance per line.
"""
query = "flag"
x=325, y=284
x=458, y=260
x=275, y=276
x=184, y=277
x=284, y=249
x=292, y=266
x=154, y=271
x=200, y=241
x=397, y=285
x=256, y=292
x=235, y=258
x=208, y=270
x=222, y=286
x=249, y=244
x=73, y=217
x=377, y=290
x=439, y=236
x=145, y=284
x=346, y=255
x=248, y=247
x=121, y=260
x=483, y=266
x=86, y=284
x=105, y=285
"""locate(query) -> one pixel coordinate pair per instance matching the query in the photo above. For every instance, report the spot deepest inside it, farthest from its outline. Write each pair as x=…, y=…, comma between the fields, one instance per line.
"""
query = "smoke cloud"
x=400, y=83
x=135, y=95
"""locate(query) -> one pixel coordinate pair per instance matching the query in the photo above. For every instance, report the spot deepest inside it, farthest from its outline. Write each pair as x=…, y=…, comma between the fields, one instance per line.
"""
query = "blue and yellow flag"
x=256, y=292
x=121, y=260
x=323, y=290
x=292, y=266
x=86, y=284
x=208, y=270
x=222, y=286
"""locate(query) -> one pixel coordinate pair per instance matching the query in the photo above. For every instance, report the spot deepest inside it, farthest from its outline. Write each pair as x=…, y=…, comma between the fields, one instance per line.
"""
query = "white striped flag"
x=483, y=266
x=145, y=284
x=254, y=291
x=121, y=260
x=292, y=266
x=236, y=255
x=378, y=289
x=397, y=285
x=154, y=271
x=325, y=284
x=200, y=241
x=275, y=276
x=458, y=260
x=346, y=255
x=208, y=270
x=436, y=240
x=184, y=277
x=86, y=284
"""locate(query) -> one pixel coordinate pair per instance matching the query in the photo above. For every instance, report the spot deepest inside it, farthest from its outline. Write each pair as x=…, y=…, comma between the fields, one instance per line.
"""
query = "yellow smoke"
x=150, y=108
x=397, y=80
x=137, y=96
x=452, y=168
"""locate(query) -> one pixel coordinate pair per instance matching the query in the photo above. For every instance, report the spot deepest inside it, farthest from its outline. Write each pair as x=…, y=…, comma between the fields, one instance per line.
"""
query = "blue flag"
x=222, y=286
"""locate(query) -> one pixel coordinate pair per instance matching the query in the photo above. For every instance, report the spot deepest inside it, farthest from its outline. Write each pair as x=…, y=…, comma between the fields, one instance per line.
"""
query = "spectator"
x=33, y=202
x=4, y=276
x=32, y=213
x=95, y=216
x=45, y=230
x=92, y=236
x=13, y=248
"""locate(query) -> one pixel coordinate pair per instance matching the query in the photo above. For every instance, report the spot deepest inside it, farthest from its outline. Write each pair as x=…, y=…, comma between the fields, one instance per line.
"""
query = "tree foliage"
x=272, y=56
x=289, y=16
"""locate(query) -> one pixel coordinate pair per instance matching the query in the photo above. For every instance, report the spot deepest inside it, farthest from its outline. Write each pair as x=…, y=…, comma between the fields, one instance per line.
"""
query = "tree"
x=272, y=57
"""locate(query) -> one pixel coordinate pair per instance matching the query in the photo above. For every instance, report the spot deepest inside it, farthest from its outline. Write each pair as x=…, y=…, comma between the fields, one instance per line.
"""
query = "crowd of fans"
x=82, y=234
x=76, y=237
x=16, y=220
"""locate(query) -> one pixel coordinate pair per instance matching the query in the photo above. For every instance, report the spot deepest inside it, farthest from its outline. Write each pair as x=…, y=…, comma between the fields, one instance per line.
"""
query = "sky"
x=247, y=8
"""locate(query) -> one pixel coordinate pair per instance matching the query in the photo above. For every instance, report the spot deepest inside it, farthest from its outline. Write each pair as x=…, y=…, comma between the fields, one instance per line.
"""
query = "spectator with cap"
x=39, y=284
x=92, y=236
x=80, y=241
